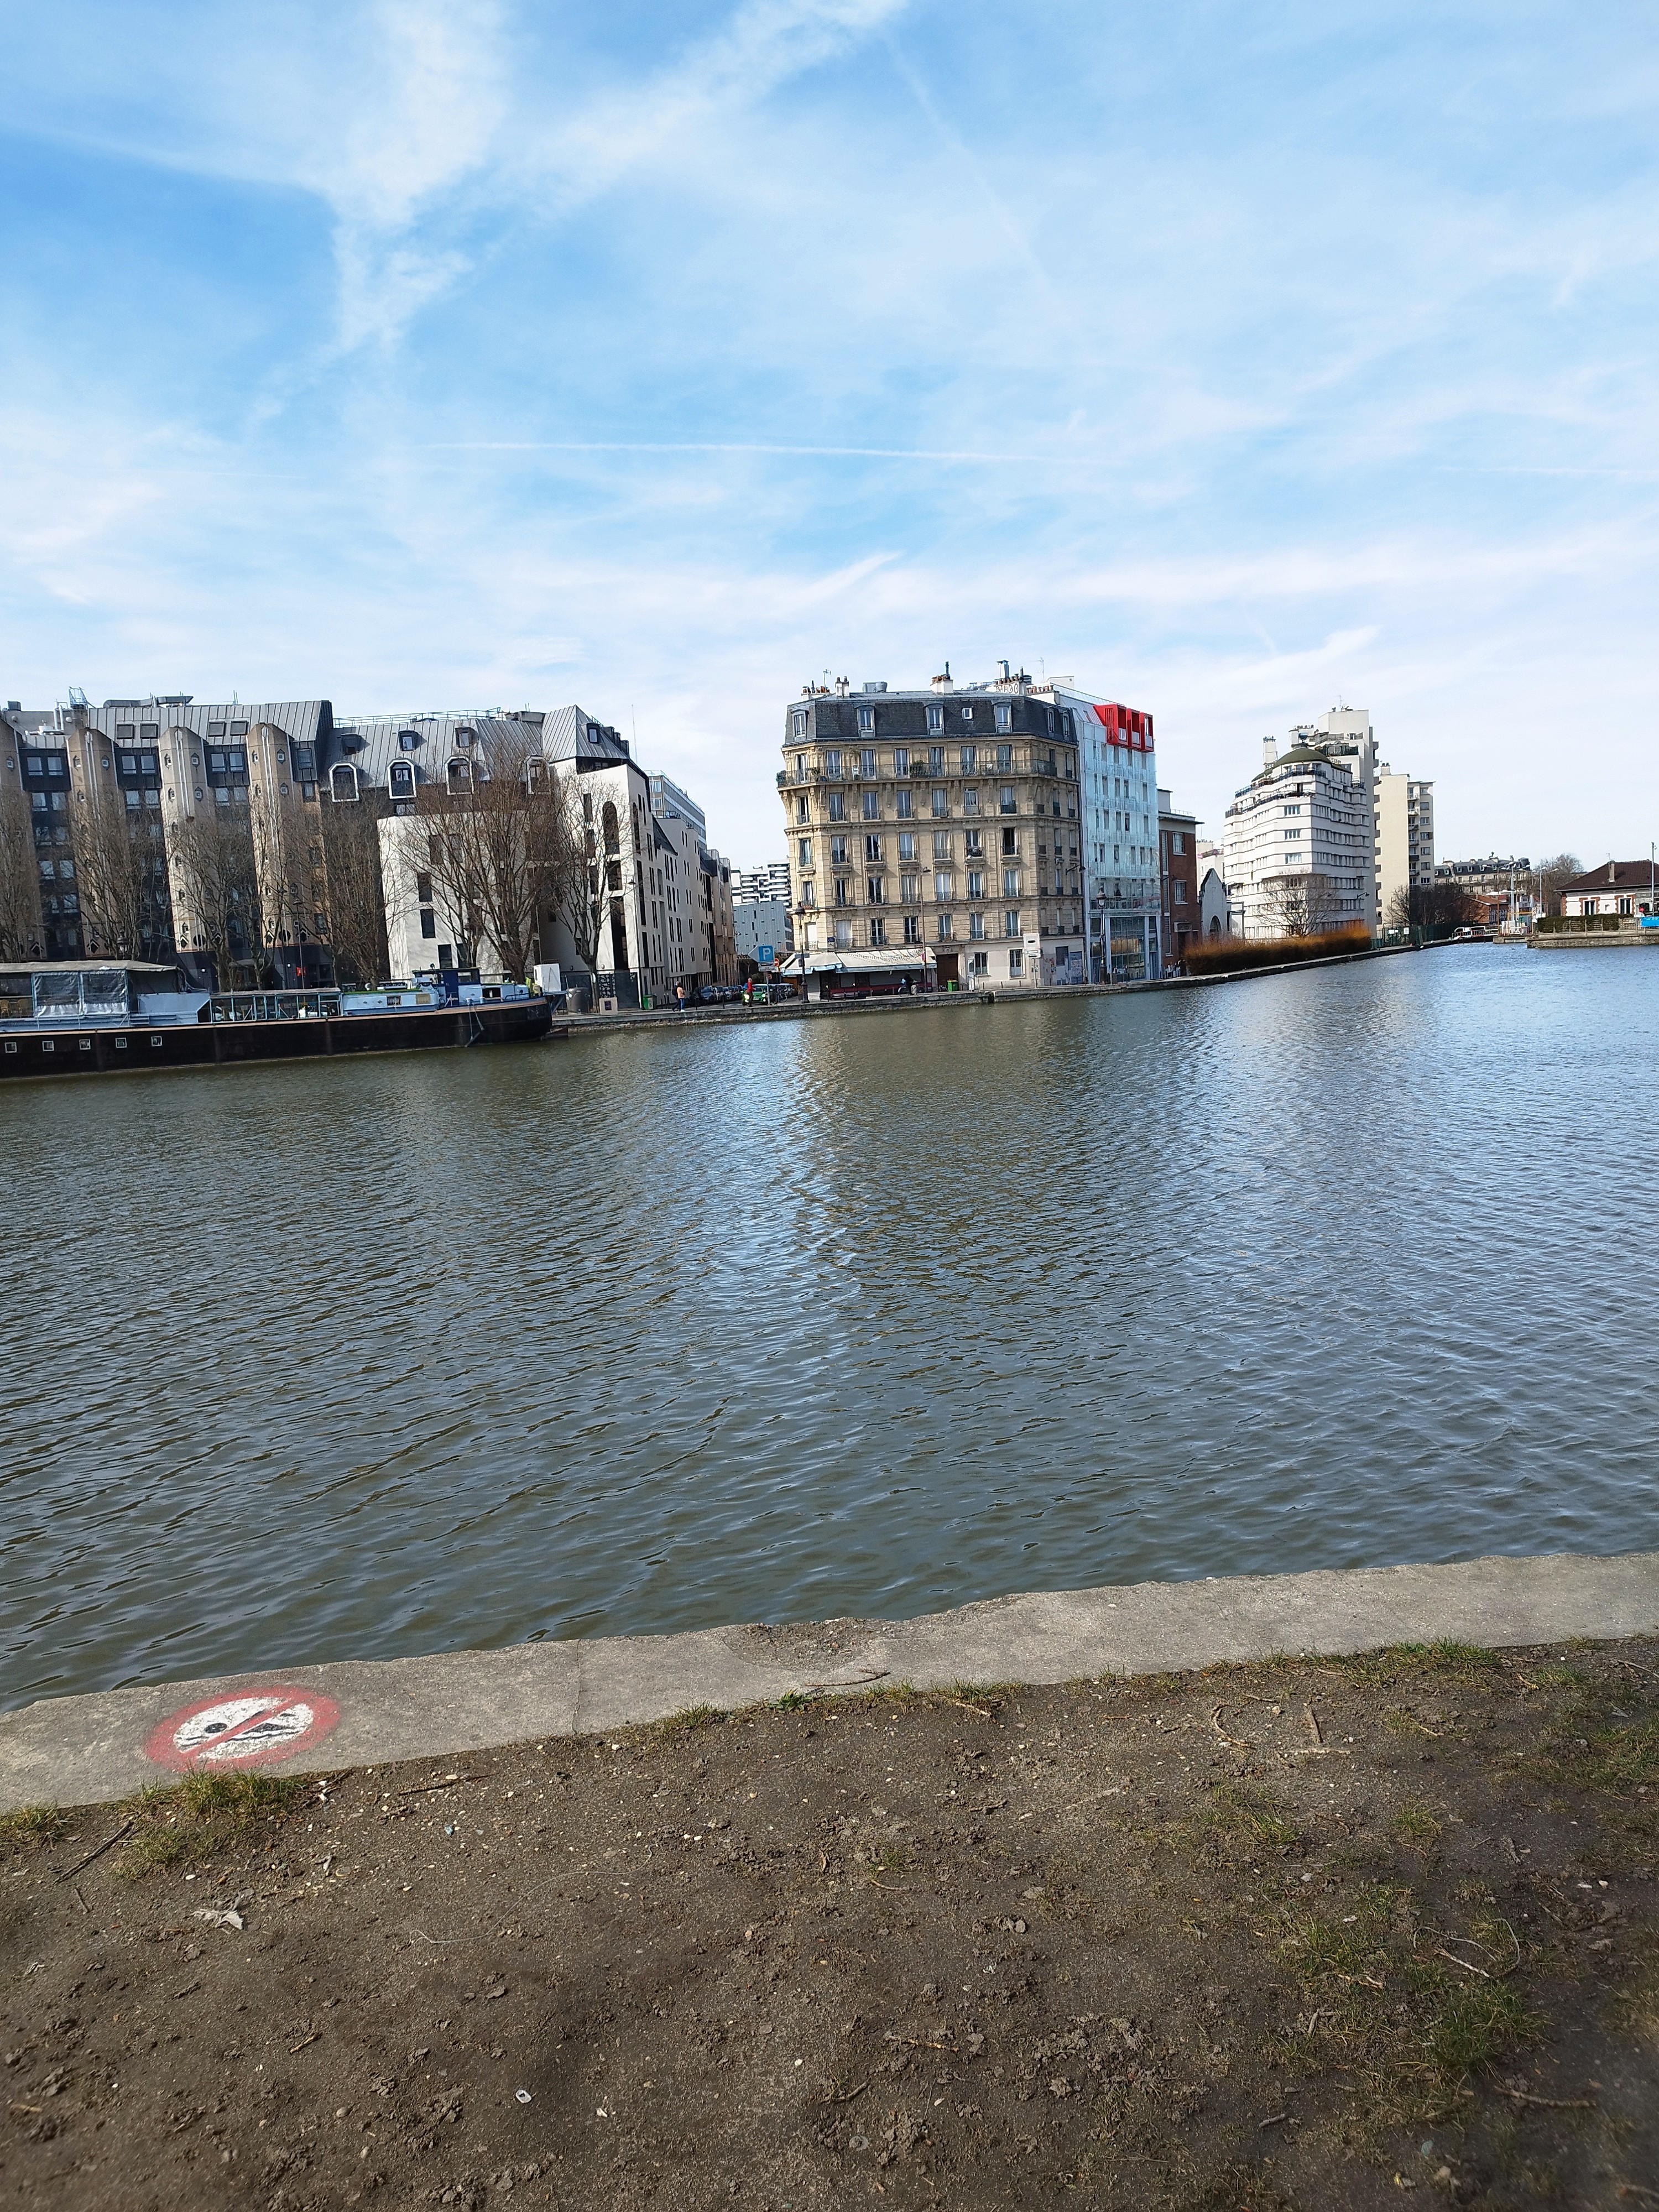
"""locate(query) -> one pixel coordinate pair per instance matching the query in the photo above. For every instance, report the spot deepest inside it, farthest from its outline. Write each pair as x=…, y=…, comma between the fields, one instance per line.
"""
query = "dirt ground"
x=1298, y=1935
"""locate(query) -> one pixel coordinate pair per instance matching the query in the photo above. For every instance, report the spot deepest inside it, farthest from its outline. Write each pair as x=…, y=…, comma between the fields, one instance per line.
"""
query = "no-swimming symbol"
x=250, y=1730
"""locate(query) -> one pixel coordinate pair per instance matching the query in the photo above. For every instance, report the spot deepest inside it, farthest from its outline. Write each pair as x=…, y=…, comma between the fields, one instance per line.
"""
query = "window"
x=969, y=755
x=1016, y=959
x=1180, y=892
x=844, y=935
x=843, y=892
x=877, y=931
x=976, y=884
x=867, y=761
x=936, y=718
x=797, y=722
x=973, y=843
x=837, y=806
x=402, y=779
x=975, y=924
x=150, y=730
x=832, y=762
x=942, y=883
x=901, y=760
x=1010, y=841
x=408, y=740
x=872, y=807
x=154, y=729
x=429, y=922
x=804, y=848
x=802, y=812
x=970, y=798
x=873, y=849
x=1177, y=842
x=1005, y=760
x=1005, y=718
x=838, y=852
x=875, y=889
x=343, y=781
x=967, y=713
x=941, y=844
x=422, y=887
x=806, y=898
x=935, y=760
x=1011, y=883
x=910, y=891
x=913, y=929
x=1006, y=799
x=944, y=927
x=866, y=718
x=940, y=804
x=901, y=806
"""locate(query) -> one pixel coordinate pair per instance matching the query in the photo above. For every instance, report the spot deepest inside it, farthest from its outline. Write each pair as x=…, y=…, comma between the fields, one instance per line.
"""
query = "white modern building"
x=770, y=882
x=764, y=930
x=1298, y=845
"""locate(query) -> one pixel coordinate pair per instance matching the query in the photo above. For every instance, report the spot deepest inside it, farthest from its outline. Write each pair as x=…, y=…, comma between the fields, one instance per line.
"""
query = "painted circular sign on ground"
x=250, y=1730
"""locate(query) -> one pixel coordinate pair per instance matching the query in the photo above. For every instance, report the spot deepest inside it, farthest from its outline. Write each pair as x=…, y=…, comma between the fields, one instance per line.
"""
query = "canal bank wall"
x=1006, y=995
x=298, y=1718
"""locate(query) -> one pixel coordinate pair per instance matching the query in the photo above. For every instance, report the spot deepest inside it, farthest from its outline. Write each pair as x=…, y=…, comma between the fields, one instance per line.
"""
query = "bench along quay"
x=85, y=1018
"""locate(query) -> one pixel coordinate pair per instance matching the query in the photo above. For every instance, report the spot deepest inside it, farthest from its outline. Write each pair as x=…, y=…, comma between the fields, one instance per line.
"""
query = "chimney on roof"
x=1612, y=872
x=942, y=682
x=1269, y=751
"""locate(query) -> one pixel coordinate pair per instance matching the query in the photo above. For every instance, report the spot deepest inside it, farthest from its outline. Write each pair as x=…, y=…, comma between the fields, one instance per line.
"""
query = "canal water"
x=656, y=1330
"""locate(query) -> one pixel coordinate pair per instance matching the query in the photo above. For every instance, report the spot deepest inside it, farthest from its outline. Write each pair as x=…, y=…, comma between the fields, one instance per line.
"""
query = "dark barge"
x=86, y=1017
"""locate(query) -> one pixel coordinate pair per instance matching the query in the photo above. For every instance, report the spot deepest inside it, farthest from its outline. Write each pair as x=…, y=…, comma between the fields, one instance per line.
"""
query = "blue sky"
x=1233, y=362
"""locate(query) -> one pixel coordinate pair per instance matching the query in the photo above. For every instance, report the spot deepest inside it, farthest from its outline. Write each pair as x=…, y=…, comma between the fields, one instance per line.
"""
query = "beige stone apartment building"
x=943, y=823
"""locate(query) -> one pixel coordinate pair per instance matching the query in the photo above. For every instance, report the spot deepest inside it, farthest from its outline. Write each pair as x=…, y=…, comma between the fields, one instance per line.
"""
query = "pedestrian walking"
x=679, y=996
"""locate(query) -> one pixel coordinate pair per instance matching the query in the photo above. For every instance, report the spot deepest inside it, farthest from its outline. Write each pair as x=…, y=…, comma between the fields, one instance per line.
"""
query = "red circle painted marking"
x=251, y=1728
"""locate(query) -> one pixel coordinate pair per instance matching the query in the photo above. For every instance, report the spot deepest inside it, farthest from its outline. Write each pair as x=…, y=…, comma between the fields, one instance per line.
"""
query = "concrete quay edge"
x=91, y=1749
x=1006, y=995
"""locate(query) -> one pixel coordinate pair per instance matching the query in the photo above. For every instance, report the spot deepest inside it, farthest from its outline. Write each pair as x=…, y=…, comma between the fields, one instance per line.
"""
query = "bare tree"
x=217, y=880
x=1436, y=909
x=1304, y=906
x=22, y=932
x=353, y=907
x=121, y=876
x=500, y=841
x=1549, y=877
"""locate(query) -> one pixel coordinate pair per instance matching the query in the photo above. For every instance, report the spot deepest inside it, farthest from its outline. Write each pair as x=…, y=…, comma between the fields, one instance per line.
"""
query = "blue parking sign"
x=765, y=954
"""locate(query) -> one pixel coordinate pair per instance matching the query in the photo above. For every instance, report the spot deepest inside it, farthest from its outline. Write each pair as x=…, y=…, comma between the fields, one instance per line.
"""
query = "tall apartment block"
x=1405, y=837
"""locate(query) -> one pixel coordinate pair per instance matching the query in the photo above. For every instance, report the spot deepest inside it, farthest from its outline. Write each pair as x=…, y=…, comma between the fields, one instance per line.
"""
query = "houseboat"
x=87, y=1016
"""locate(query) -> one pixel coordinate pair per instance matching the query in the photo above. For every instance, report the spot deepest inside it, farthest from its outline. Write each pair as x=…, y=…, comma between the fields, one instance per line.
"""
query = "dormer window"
x=408, y=740
x=402, y=779
x=866, y=718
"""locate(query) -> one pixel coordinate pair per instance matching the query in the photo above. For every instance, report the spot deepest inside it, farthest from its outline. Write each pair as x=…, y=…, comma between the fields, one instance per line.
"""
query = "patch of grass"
x=691, y=1721
x=1240, y=1823
x=32, y=1827
x=1473, y=2025
x=187, y=1822
x=1417, y=1827
x=1410, y=2029
x=1444, y=1662
x=793, y=1701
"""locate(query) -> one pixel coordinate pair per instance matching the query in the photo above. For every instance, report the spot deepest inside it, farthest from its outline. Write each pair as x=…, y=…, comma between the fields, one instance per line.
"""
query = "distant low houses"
x=1617, y=887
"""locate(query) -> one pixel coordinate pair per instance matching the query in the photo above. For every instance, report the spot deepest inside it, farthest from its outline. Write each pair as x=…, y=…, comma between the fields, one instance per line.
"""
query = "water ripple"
x=653, y=1331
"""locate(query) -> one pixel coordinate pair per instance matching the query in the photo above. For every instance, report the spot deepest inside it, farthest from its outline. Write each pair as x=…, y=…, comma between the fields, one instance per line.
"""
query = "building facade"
x=1177, y=838
x=1118, y=777
x=773, y=882
x=1299, y=844
x=765, y=933
x=1405, y=838
x=272, y=840
x=1503, y=890
x=946, y=818
x=1629, y=889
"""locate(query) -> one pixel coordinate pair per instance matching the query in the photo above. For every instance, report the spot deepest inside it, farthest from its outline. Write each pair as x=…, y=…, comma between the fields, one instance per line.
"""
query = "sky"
x=1233, y=362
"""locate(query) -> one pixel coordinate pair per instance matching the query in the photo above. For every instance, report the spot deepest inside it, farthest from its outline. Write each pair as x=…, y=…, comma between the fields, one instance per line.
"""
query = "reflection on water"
x=868, y=1316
